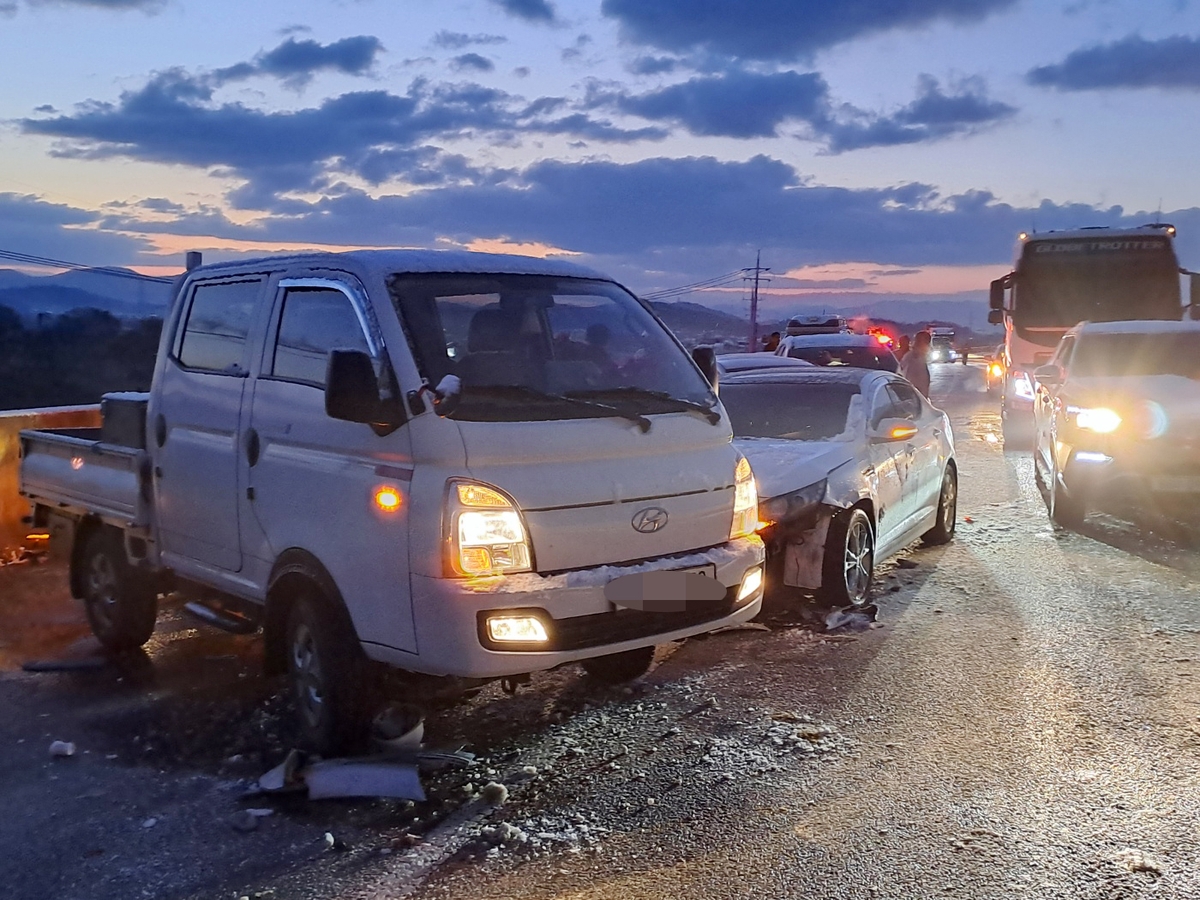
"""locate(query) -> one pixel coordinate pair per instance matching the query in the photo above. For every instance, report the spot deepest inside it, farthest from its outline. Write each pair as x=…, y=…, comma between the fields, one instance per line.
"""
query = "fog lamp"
x=751, y=583
x=517, y=630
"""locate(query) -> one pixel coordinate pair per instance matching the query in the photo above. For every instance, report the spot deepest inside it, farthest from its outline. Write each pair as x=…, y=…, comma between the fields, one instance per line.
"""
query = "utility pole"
x=758, y=270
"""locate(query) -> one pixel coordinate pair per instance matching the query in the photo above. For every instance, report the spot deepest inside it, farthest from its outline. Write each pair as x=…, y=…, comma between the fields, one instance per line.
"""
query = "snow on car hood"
x=782, y=465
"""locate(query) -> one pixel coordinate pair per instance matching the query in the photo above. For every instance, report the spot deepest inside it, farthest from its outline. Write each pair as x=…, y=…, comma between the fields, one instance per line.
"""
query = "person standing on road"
x=902, y=347
x=915, y=365
x=771, y=343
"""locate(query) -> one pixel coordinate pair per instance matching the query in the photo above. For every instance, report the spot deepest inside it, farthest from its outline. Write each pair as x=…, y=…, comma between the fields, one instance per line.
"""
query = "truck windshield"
x=558, y=340
x=1060, y=284
x=1131, y=355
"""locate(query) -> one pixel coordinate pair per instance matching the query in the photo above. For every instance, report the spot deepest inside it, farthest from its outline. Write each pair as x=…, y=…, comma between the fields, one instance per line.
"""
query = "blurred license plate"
x=1176, y=483
x=709, y=570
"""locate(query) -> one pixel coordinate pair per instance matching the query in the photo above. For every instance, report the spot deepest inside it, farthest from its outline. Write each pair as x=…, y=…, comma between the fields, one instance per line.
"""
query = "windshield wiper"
x=712, y=414
x=521, y=390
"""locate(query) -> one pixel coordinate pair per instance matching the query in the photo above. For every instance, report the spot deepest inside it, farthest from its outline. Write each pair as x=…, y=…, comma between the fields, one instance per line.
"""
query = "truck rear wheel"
x=120, y=602
x=619, y=668
x=330, y=677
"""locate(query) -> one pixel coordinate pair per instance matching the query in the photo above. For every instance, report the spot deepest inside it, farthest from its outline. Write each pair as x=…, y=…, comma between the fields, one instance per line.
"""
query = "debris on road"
x=62, y=749
x=362, y=778
x=1134, y=860
x=857, y=618
x=906, y=563
x=494, y=793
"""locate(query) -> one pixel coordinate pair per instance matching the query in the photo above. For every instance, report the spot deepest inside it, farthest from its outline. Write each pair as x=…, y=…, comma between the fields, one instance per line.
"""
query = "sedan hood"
x=781, y=465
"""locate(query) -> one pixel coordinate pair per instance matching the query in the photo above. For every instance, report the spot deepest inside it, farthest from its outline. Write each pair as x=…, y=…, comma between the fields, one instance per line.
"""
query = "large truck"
x=1062, y=278
x=414, y=469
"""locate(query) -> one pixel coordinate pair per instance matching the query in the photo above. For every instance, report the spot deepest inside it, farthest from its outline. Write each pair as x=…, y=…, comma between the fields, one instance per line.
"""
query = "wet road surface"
x=1023, y=722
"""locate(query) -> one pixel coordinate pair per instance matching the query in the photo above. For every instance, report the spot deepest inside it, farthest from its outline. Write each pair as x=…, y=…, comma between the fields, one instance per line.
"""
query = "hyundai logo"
x=650, y=519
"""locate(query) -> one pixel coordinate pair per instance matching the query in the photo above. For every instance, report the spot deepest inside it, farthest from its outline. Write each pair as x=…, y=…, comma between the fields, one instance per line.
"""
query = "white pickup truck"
x=436, y=463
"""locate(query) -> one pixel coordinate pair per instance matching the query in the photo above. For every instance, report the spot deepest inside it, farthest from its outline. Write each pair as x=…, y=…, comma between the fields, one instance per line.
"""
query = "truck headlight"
x=745, y=501
x=1099, y=419
x=487, y=534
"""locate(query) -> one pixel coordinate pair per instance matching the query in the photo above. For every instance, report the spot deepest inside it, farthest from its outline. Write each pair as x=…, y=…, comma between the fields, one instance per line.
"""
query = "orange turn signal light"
x=387, y=499
x=903, y=432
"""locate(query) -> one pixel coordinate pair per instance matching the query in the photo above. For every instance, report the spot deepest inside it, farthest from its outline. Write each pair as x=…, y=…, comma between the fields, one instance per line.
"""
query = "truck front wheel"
x=330, y=677
x=120, y=602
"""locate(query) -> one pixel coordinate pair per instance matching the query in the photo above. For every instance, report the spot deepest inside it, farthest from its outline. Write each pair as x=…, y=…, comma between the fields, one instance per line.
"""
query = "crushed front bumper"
x=450, y=614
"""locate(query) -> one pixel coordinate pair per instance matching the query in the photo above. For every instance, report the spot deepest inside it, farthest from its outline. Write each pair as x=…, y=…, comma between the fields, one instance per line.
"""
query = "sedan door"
x=889, y=465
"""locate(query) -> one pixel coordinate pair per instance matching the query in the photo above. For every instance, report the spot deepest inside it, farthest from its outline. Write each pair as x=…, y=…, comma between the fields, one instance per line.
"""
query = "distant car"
x=852, y=465
x=941, y=348
x=994, y=370
x=750, y=362
x=816, y=325
x=1117, y=415
x=860, y=351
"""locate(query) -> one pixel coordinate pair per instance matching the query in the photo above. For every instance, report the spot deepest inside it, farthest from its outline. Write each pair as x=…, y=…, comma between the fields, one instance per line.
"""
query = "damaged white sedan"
x=851, y=465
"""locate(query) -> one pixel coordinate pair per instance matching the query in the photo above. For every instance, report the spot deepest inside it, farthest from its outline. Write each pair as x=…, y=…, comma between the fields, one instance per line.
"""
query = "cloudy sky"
x=892, y=148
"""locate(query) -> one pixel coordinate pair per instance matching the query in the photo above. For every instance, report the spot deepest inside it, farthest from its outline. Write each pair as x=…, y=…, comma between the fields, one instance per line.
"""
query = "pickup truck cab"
x=435, y=462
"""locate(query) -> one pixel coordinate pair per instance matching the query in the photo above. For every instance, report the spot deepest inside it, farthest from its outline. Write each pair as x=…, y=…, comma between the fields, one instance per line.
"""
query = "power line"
x=46, y=262
x=707, y=284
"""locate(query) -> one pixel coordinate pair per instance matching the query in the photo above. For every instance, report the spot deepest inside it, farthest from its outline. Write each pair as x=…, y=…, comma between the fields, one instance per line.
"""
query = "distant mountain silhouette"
x=124, y=297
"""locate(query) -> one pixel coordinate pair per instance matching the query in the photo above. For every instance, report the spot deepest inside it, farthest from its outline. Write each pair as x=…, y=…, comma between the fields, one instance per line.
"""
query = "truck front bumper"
x=451, y=614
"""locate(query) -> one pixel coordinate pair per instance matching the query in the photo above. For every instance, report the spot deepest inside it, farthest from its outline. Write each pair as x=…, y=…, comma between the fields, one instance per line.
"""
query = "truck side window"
x=314, y=321
x=214, y=336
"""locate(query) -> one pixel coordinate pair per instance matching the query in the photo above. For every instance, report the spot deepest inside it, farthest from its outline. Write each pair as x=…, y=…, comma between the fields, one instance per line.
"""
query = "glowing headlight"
x=1100, y=420
x=487, y=534
x=745, y=501
x=1022, y=386
x=750, y=584
x=517, y=629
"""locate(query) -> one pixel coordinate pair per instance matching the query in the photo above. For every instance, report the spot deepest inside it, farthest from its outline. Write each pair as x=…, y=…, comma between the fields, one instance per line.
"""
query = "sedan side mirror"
x=1049, y=376
x=706, y=359
x=995, y=317
x=352, y=389
x=893, y=429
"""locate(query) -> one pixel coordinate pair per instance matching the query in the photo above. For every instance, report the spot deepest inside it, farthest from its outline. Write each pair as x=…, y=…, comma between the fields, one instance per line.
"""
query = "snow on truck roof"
x=382, y=263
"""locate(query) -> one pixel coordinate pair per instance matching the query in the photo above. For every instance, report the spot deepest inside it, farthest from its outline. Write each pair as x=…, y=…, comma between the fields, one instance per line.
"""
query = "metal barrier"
x=14, y=507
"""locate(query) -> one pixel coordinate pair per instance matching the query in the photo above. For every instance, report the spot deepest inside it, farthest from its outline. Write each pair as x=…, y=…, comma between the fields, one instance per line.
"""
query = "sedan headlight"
x=487, y=535
x=1098, y=419
x=1022, y=386
x=793, y=505
x=745, y=501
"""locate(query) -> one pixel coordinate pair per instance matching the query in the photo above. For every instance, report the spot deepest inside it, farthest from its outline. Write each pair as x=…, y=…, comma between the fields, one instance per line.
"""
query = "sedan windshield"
x=798, y=412
x=541, y=347
x=1165, y=353
x=857, y=357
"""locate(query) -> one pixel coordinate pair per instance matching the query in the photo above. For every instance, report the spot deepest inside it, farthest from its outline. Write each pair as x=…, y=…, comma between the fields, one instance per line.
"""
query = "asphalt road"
x=1022, y=721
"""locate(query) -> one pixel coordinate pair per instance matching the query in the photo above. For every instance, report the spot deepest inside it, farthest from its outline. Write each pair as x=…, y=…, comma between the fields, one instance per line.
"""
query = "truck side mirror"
x=996, y=297
x=706, y=359
x=351, y=388
x=995, y=317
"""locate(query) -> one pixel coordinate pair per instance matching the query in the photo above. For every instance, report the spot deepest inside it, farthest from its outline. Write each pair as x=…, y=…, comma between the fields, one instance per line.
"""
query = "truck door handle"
x=160, y=430
x=253, y=447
